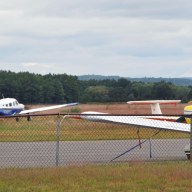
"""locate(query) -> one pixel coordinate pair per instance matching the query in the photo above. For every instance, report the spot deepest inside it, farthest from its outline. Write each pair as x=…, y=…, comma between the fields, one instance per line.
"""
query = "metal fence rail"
x=62, y=139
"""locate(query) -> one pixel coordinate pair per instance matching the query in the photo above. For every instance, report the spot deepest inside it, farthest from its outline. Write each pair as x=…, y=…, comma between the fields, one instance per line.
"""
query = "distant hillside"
x=96, y=77
x=177, y=81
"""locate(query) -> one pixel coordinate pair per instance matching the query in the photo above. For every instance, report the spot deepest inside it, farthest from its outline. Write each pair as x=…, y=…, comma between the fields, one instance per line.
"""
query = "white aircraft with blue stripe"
x=10, y=106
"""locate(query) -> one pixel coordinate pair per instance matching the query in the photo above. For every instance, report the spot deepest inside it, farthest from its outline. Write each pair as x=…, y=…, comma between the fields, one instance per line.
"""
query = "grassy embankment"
x=135, y=176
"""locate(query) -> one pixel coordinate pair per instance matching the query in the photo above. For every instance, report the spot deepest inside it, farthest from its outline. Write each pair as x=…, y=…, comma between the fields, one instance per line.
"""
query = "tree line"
x=30, y=88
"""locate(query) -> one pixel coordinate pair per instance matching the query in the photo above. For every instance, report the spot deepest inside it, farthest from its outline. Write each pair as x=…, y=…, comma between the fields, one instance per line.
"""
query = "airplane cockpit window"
x=6, y=105
x=10, y=104
x=17, y=103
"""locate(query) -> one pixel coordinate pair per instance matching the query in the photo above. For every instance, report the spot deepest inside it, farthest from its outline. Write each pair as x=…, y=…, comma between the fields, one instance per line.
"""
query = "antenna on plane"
x=3, y=96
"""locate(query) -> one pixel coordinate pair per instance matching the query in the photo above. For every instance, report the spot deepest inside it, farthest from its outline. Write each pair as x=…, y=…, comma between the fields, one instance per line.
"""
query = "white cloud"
x=126, y=38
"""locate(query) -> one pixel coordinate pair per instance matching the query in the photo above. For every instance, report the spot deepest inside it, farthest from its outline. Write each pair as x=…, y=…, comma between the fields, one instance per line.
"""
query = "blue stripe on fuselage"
x=9, y=111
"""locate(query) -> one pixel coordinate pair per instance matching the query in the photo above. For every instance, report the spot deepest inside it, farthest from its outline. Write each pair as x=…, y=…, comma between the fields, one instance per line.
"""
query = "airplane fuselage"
x=10, y=106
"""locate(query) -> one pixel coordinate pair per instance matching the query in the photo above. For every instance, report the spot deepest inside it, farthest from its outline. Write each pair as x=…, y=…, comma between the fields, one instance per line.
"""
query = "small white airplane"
x=10, y=106
x=156, y=122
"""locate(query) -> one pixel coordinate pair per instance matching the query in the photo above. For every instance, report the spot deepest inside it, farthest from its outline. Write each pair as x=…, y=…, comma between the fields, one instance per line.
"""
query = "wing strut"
x=149, y=139
x=139, y=137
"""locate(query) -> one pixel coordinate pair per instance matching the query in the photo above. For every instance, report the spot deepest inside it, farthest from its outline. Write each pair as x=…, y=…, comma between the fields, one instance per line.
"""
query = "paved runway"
x=43, y=154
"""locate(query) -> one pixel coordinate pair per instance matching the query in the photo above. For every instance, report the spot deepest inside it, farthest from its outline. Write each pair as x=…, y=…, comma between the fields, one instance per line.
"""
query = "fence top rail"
x=98, y=114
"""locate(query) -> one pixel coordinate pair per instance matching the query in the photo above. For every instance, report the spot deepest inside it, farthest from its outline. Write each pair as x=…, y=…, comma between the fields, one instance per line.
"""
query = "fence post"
x=57, y=140
x=191, y=141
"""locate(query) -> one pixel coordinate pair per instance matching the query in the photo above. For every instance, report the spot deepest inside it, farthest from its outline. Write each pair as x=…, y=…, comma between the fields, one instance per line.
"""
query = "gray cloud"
x=109, y=37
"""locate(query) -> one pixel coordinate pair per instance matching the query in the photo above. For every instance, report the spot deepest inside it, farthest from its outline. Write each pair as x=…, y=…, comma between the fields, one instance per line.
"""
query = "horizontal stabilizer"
x=155, y=108
x=146, y=102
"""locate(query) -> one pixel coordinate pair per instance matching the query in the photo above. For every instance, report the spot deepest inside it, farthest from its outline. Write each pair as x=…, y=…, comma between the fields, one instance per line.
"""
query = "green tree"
x=95, y=94
x=163, y=90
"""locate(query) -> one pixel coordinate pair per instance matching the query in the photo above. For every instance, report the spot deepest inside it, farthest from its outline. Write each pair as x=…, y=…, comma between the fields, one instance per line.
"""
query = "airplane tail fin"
x=155, y=109
x=155, y=104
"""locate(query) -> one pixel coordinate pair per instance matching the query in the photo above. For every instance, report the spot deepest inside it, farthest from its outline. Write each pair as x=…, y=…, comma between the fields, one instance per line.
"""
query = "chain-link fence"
x=59, y=140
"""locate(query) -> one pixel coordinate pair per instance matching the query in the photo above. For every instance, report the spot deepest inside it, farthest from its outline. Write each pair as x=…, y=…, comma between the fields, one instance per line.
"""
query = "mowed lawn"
x=133, y=176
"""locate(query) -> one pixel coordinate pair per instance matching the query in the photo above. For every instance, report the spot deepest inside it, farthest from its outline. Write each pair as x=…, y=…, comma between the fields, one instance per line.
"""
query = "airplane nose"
x=22, y=106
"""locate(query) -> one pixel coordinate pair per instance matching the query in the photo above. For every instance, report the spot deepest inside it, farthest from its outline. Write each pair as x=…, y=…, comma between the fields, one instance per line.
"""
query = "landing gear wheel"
x=29, y=118
x=188, y=156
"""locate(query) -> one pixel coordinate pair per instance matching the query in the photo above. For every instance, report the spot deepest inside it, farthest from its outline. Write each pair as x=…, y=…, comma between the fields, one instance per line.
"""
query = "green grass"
x=135, y=176
x=43, y=128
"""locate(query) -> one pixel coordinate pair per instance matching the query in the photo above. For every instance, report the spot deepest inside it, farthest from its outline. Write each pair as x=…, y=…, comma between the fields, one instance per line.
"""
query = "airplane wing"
x=137, y=121
x=47, y=108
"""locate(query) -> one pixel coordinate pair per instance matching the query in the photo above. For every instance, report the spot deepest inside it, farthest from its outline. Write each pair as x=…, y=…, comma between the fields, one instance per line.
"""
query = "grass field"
x=134, y=176
x=43, y=128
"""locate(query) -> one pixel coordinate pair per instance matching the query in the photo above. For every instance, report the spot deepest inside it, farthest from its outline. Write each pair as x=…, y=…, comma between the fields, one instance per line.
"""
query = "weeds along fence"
x=64, y=139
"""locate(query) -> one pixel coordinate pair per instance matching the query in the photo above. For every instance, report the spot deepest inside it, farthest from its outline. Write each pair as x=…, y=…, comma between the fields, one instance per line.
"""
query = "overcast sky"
x=129, y=38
